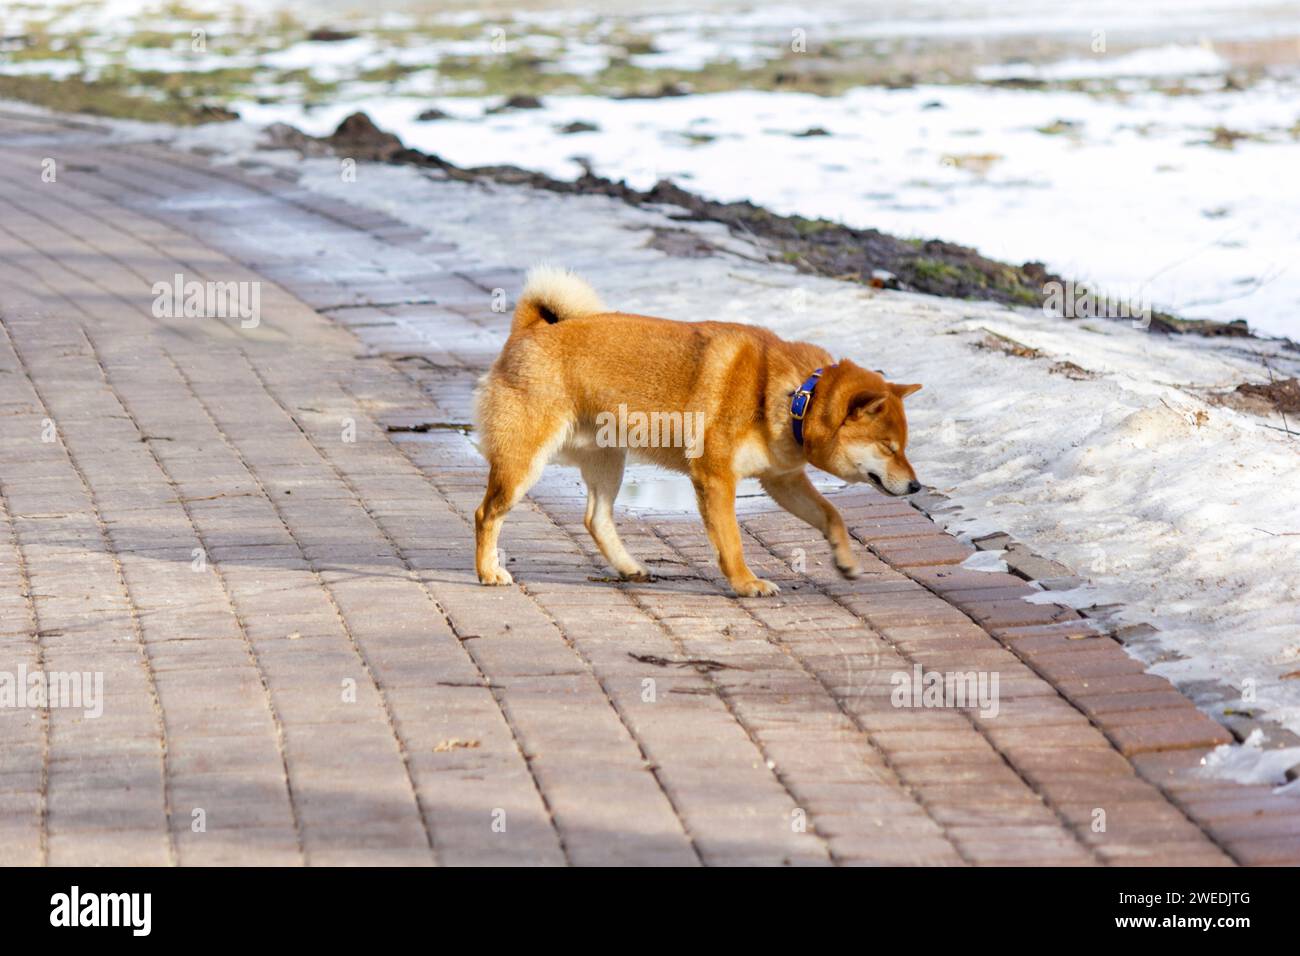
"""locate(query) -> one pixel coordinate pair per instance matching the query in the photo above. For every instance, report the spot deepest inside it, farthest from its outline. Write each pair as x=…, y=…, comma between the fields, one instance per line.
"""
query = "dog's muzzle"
x=912, y=486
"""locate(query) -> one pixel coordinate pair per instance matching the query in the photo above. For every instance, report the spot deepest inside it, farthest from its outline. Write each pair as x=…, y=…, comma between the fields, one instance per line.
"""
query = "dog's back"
x=568, y=351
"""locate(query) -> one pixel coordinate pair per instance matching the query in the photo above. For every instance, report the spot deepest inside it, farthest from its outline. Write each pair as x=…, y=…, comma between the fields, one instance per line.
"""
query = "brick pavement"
x=262, y=538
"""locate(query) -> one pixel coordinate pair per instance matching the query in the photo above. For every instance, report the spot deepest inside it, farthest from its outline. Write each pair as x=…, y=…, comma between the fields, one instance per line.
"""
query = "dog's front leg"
x=717, y=499
x=796, y=494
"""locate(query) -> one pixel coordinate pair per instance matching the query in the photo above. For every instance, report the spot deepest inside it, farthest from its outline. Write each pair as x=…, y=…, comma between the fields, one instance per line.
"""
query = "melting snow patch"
x=1249, y=762
x=1171, y=60
x=985, y=561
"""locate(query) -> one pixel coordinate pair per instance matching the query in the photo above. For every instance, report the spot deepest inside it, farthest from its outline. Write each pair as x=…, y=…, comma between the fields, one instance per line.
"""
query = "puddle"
x=646, y=488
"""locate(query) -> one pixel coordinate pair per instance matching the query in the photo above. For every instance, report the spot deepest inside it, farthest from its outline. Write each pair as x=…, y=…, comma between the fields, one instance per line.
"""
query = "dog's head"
x=856, y=429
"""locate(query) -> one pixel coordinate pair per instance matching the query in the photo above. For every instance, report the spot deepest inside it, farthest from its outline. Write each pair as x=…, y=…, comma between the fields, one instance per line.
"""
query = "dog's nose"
x=913, y=487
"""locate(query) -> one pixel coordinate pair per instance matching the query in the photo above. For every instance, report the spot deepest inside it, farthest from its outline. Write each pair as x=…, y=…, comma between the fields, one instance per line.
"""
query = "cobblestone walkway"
x=262, y=539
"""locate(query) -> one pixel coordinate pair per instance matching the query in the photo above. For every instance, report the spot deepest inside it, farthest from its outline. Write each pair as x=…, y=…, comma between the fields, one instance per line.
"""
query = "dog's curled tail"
x=551, y=295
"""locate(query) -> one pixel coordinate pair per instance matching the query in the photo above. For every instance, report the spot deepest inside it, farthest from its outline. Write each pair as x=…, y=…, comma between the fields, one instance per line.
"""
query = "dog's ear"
x=864, y=403
x=902, y=391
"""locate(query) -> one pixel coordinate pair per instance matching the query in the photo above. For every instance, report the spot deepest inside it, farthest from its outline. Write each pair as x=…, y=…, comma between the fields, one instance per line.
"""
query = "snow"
x=1184, y=512
x=1170, y=60
x=985, y=561
x=1249, y=762
x=1121, y=189
x=682, y=50
x=54, y=68
x=340, y=55
x=1130, y=198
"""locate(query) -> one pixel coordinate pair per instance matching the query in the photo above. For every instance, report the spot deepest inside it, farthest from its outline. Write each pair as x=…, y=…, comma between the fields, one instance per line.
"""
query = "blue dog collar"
x=799, y=403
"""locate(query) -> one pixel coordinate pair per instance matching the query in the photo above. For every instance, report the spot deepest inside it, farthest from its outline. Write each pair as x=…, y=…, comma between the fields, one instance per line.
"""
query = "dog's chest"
x=751, y=458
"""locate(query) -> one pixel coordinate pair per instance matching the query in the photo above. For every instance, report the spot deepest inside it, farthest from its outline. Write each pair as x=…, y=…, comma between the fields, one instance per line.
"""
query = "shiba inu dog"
x=584, y=385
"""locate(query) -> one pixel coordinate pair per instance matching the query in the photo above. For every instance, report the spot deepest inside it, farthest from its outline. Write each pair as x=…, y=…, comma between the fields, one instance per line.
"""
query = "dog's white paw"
x=496, y=576
x=638, y=574
x=757, y=588
x=850, y=571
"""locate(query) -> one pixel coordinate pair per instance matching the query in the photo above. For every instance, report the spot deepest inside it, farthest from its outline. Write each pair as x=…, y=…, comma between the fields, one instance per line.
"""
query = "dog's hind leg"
x=515, y=465
x=796, y=494
x=602, y=470
x=717, y=500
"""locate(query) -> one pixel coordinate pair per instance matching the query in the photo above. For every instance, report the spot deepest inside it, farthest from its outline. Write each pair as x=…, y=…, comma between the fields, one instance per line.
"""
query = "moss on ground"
x=75, y=95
